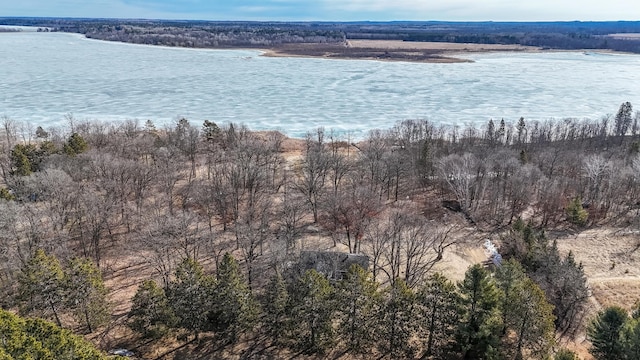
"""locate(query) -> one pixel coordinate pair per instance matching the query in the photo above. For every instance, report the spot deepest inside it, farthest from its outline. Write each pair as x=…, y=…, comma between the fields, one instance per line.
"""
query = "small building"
x=331, y=264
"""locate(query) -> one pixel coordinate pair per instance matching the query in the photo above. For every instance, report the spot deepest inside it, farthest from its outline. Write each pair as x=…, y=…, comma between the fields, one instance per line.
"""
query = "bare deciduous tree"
x=405, y=246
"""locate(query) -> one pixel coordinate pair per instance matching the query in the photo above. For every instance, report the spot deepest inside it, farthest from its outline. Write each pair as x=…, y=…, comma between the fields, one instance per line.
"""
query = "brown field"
x=439, y=46
x=391, y=50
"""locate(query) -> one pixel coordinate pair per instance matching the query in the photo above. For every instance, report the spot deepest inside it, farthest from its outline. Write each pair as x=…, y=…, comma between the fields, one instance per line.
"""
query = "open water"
x=44, y=76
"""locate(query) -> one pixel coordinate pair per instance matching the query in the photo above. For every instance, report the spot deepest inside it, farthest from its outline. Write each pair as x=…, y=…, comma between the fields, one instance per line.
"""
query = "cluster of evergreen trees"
x=499, y=314
x=48, y=290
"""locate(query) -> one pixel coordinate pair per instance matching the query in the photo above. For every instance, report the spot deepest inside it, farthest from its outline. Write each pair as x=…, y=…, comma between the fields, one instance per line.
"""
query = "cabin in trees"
x=331, y=264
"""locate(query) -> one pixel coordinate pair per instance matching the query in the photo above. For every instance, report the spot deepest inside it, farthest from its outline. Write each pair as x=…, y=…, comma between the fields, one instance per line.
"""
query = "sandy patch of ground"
x=611, y=261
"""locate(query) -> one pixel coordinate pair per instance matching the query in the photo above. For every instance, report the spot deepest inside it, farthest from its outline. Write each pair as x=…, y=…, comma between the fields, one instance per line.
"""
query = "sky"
x=331, y=10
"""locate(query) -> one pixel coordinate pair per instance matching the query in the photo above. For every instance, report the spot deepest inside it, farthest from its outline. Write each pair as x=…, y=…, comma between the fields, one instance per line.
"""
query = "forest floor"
x=611, y=261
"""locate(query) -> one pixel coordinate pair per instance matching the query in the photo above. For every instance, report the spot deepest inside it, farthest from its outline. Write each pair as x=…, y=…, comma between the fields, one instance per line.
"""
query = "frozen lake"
x=44, y=76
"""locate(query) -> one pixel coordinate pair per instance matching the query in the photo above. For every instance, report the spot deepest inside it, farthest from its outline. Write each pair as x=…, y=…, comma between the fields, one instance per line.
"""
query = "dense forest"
x=210, y=34
x=212, y=223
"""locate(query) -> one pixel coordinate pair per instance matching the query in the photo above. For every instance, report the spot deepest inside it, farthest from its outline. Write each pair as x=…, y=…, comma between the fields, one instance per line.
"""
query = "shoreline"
x=393, y=50
x=380, y=50
x=404, y=51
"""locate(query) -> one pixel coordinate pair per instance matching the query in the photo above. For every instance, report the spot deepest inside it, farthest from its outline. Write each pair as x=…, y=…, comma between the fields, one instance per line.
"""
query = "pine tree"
x=358, y=303
x=631, y=339
x=75, y=145
x=440, y=307
x=150, y=314
x=42, y=286
x=275, y=309
x=86, y=294
x=604, y=333
x=635, y=310
x=491, y=132
x=509, y=278
x=531, y=321
x=312, y=312
x=211, y=132
x=623, y=119
x=39, y=339
x=576, y=214
x=399, y=321
x=234, y=309
x=478, y=333
x=149, y=126
x=501, y=131
x=565, y=285
x=191, y=296
x=522, y=128
x=20, y=162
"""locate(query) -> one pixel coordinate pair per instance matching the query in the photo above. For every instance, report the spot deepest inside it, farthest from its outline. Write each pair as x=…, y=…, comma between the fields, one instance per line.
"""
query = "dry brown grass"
x=611, y=262
x=440, y=46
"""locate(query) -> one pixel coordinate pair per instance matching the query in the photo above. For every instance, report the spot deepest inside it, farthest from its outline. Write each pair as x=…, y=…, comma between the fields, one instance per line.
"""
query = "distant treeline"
x=553, y=35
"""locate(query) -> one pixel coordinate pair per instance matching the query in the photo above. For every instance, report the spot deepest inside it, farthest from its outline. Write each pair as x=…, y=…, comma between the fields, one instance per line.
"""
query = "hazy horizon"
x=329, y=10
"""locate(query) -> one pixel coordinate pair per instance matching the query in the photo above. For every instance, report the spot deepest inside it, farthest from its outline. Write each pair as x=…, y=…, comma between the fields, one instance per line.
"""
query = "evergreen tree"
x=440, y=307
x=211, y=131
x=358, y=307
x=491, y=132
x=150, y=314
x=509, y=278
x=565, y=285
x=522, y=130
x=564, y=354
x=623, y=119
x=576, y=214
x=525, y=311
x=40, y=339
x=75, y=145
x=312, y=312
x=275, y=310
x=631, y=339
x=531, y=321
x=149, y=126
x=42, y=286
x=41, y=133
x=479, y=329
x=191, y=296
x=604, y=333
x=501, y=131
x=86, y=294
x=5, y=194
x=635, y=310
x=399, y=321
x=234, y=309
x=20, y=163
x=27, y=158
